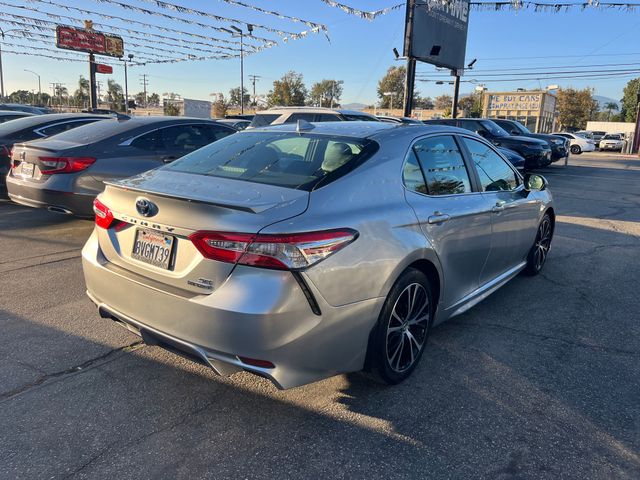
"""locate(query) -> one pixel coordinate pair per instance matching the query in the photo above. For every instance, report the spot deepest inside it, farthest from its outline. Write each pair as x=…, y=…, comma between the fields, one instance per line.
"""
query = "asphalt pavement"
x=540, y=380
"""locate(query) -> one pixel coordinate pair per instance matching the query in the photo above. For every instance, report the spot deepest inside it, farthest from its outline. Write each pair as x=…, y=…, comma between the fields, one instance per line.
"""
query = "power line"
x=535, y=69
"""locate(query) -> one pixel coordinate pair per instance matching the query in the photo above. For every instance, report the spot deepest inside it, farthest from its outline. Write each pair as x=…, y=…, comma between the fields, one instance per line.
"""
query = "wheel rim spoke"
x=407, y=327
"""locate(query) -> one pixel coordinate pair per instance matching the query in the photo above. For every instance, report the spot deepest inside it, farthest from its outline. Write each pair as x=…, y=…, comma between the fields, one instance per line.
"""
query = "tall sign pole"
x=456, y=93
x=93, y=97
x=409, y=83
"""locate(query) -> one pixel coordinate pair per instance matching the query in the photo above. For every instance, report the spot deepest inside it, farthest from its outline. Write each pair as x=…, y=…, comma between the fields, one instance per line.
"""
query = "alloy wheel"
x=543, y=243
x=407, y=327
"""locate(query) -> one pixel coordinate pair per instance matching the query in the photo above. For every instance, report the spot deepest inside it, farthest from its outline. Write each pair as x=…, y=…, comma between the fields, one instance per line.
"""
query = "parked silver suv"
x=280, y=115
x=300, y=252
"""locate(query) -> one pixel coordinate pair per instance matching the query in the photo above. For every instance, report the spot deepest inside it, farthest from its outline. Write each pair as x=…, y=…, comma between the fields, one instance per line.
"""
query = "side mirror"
x=534, y=182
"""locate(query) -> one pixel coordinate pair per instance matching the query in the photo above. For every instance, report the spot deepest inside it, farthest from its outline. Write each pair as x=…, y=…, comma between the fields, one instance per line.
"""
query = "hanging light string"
x=266, y=42
x=47, y=26
x=315, y=27
x=491, y=6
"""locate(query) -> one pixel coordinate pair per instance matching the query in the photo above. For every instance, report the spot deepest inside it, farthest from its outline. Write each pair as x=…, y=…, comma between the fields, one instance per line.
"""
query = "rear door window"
x=264, y=119
x=443, y=166
x=294, y=117
x=61, y=127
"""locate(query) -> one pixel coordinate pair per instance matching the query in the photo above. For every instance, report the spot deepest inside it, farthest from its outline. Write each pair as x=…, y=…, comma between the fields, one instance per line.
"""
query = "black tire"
x=575, y=149
x=540, y=249
x=389, y=359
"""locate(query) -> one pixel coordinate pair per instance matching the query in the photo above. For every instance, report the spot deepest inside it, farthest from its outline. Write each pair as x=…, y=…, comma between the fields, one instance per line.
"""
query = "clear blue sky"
x=359, y=52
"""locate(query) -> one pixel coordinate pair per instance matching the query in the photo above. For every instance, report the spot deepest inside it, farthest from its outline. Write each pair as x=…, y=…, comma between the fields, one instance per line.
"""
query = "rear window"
x=96, y=131
x=264, y=119
x=281, y=159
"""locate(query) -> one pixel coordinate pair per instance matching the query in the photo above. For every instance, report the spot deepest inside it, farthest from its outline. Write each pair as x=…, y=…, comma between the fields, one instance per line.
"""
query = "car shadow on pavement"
x=547, y=368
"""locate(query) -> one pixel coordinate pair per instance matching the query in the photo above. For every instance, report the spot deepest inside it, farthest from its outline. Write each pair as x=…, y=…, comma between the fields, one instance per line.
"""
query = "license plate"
x=153, y=247
x=27, y=169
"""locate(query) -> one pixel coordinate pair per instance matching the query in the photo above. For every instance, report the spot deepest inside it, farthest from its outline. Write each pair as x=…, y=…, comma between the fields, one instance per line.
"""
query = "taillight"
x=104, y=217
x=283, y=252
x=51, y=165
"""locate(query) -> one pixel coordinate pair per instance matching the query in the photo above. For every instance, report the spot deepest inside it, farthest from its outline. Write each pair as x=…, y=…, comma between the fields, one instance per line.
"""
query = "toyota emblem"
x=145, y=207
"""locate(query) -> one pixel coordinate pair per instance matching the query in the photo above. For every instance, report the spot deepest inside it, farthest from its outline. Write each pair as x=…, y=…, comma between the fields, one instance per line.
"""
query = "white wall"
x=612, y=127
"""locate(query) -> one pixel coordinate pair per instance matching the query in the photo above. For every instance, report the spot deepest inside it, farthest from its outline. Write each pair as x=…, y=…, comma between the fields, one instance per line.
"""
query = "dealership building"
x=536, y=110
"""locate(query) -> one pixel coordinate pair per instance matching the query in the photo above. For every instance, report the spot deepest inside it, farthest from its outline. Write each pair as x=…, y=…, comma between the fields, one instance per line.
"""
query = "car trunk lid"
x=156, y=212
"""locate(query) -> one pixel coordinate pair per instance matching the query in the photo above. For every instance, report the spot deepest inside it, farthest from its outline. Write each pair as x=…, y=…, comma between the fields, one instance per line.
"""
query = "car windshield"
x=611, y=137
x=281, y=159
x=494, y=128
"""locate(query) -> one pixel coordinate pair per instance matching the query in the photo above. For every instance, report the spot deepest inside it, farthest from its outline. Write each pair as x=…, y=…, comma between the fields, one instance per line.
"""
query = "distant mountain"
x=602, y=101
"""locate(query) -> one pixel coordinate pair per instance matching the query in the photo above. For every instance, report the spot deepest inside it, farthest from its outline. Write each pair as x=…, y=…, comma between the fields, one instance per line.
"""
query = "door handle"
x=438, y=217
x=499, y=206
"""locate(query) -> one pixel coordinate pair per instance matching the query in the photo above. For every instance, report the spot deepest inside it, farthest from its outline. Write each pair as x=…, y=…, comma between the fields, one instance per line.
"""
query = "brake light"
x=283, y=252
x=104, y=216
x=51, y=165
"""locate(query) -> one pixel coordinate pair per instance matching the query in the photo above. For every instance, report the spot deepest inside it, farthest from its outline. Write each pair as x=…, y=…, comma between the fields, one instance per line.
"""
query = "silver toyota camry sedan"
x=303, y=251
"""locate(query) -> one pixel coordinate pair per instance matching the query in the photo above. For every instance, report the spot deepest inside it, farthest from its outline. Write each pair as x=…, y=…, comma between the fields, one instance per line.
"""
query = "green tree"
x=81, y=95
x=442, y=102
x=610, y=107
x=115, y=95
x=220, y=107
x=21, y=96
x=576, y=107
x=234, y=96
x=140, y=99
x=630, y=100
x=423, y=102
x=326, y=93
x=288, y=91
x=392, y=86
x=171, y=109
x=154, y=100
x=472, y=105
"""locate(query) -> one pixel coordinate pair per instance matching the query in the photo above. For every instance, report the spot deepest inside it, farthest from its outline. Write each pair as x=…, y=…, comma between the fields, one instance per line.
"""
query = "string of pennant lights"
x=46, y=26
x=491, y=6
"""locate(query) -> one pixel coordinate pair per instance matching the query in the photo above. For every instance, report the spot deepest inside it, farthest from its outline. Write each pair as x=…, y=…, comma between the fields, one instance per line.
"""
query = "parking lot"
x=541, y=380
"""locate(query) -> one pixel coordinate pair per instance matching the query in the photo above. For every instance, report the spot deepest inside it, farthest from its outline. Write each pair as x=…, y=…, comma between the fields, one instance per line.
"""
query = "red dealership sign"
x=89, y=41
x=100, y=68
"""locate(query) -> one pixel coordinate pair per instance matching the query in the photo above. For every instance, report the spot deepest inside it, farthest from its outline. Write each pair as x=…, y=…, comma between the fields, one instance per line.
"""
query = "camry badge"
x=145, y=207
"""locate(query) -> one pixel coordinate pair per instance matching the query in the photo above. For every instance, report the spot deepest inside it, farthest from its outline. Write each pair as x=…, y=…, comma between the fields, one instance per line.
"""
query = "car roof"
x=147, y=119
x=16, y=112
x=362, y=129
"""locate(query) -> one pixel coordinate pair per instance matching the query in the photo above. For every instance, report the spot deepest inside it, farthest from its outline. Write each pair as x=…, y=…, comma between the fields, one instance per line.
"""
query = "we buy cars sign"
x=79, y=40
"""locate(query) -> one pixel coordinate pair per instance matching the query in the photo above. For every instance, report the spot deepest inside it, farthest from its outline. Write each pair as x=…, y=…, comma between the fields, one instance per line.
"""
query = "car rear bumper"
x=537, y=159
x=37, y=196
x=254, y=314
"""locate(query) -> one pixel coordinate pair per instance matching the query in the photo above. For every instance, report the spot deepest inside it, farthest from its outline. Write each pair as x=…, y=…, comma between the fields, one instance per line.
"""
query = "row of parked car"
x=61, y=161
x=294, y=251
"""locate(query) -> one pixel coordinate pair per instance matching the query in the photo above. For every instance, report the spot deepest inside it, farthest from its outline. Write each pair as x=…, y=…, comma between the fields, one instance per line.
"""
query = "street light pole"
x=126, y=86
x=39, y=88
x=240, y=34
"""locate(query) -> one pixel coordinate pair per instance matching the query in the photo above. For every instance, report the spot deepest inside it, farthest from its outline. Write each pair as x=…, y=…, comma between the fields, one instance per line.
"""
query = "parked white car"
x=579, y=144
x=612, y=141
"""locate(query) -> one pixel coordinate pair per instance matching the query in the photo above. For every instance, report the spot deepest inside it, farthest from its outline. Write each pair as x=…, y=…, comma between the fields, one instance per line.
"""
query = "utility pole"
x=410, y=79
x=126, y=85
x=145, y=83
x=254, y=78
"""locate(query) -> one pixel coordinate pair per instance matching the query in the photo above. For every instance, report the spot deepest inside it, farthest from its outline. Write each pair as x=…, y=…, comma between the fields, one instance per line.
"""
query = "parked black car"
x=536, y=152
x=514, y=158
x=559, y=145
x=36, y=126
x=18, y=107
x=7, y=115
x=65, y=173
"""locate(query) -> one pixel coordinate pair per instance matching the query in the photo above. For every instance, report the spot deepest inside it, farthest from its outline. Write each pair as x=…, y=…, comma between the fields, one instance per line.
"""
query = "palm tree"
x=610, y=106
